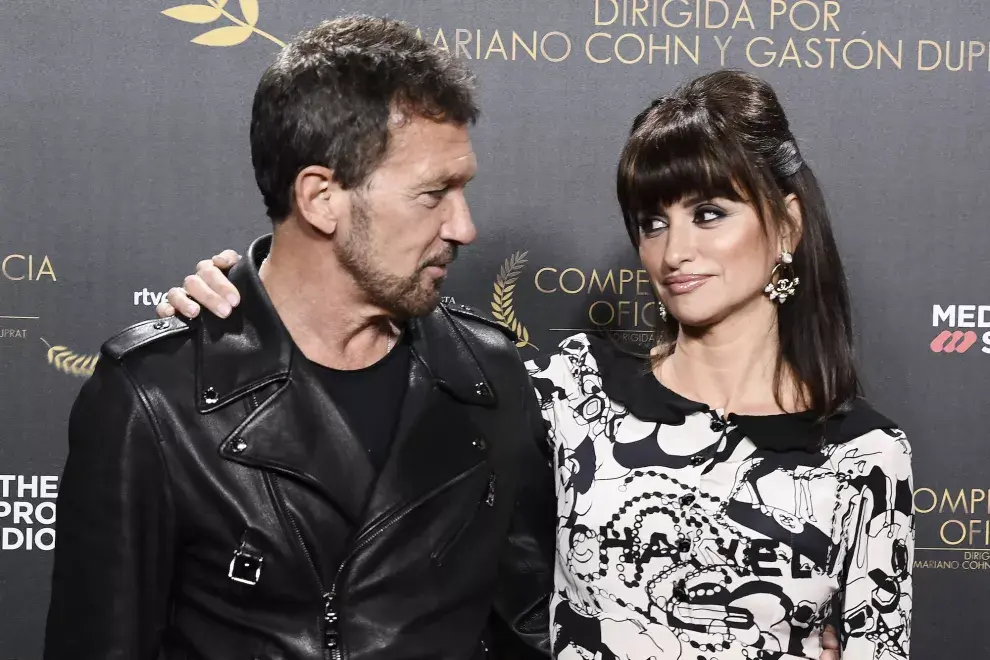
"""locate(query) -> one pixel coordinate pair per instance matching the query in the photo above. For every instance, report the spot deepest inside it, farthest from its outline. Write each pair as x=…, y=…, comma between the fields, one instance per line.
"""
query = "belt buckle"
x=245, y=567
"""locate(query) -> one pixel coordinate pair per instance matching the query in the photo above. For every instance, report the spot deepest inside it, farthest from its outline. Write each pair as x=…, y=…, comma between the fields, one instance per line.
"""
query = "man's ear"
x=319, y=200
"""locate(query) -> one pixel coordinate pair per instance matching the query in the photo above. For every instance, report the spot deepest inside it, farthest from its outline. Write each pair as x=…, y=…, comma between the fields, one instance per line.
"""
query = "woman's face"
x=708, y=258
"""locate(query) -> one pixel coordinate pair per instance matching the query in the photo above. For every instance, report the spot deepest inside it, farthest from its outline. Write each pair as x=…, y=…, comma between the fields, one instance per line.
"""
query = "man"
x=339, y=467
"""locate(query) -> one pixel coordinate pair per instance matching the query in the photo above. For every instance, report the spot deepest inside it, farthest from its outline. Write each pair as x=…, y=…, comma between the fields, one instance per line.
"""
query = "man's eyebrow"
x=447, y=177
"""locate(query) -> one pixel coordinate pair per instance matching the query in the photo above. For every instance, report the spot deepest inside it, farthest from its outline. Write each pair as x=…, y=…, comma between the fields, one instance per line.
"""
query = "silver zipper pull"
x=331, y=636
x=490, y=499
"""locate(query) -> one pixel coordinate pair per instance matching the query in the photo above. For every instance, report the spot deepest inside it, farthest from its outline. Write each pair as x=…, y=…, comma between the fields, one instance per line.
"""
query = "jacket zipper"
x=487, y=498
x=332, y=636
x=329, y=618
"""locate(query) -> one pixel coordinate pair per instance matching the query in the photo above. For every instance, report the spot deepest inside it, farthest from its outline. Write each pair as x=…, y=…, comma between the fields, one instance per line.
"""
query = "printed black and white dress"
x=685, y=535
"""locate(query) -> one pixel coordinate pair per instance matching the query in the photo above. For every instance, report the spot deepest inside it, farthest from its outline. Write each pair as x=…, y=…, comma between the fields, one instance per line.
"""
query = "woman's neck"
x=731, y=365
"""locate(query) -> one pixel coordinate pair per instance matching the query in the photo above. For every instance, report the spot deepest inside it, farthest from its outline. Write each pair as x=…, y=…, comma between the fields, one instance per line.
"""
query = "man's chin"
x=422, y=304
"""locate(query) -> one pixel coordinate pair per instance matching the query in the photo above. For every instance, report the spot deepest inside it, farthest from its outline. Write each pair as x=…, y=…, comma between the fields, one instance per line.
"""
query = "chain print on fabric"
x=685, y=540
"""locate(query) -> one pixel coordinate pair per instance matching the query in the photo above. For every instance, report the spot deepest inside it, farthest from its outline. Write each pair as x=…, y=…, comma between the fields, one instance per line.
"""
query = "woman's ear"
x=795, y=224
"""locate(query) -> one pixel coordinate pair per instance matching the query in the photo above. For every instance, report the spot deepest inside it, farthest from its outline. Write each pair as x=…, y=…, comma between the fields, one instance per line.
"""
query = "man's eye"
x=434, y=197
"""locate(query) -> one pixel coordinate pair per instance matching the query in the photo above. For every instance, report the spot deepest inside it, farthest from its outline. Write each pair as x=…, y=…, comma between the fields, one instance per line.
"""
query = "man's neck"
x=730, y=365
x=321, y=307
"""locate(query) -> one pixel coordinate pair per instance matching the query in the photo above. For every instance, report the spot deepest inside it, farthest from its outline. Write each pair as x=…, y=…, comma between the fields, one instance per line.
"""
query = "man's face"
x=409, y=218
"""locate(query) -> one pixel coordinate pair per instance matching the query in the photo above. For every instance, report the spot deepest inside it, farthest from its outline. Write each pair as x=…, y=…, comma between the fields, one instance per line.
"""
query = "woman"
x=729, y=494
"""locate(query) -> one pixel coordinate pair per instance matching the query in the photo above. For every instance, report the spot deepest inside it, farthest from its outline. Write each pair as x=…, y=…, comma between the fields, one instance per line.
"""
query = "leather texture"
x=215, y=505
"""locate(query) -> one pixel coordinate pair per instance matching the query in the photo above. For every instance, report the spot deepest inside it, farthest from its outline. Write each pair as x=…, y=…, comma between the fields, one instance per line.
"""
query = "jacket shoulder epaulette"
x=472, y=314
x=142, y=334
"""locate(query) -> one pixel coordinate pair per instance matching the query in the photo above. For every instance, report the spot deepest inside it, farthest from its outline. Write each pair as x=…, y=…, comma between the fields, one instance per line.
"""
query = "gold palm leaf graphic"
x=502, y=301
x=227, y=35
x=69, y=362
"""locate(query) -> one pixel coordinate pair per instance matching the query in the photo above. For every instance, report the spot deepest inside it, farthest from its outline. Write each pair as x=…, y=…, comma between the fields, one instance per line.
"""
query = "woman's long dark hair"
x=725, y=135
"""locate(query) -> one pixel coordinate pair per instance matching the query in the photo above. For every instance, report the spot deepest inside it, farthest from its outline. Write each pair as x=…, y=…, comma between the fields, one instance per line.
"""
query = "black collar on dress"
x=627, y=379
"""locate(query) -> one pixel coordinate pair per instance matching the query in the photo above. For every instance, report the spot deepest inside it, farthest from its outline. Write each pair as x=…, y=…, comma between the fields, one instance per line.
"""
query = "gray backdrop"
x=124, y=159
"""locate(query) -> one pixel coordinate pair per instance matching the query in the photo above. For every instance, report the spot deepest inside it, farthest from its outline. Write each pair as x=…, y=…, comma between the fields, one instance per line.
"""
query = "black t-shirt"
x=370, y=399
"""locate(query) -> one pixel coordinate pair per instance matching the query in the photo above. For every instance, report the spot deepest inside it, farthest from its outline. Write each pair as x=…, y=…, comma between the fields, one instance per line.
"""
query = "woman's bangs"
x=660, y=170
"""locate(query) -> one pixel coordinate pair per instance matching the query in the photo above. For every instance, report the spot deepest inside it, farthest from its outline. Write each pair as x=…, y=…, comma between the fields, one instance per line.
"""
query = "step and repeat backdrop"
x=124, y=159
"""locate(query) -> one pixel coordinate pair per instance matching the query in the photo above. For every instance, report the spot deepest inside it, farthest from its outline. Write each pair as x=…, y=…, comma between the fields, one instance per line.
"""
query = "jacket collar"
x=627, y=379
x=251, y=348
x=287, y=428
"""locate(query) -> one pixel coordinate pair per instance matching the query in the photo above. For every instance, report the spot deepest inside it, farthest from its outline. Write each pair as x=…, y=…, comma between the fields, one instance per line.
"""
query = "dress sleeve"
x=545, y=374
x=877, y=594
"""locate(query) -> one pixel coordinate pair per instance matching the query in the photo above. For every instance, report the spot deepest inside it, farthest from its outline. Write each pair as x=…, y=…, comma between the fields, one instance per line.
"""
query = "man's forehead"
x=431, y=149
x=459, y=168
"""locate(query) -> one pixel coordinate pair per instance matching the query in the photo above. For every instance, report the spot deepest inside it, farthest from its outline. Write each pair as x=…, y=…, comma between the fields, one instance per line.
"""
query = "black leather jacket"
x=215, y=506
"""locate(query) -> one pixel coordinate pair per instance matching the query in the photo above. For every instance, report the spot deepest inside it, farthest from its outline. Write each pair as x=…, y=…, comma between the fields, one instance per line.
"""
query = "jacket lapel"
x=299, y=431
x=293, y=427
x=436, y=439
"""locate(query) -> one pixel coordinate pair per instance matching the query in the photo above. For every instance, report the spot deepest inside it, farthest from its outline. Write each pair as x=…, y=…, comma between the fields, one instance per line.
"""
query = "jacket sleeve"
x=526, y=566
x=113, y=551
x=877, y=598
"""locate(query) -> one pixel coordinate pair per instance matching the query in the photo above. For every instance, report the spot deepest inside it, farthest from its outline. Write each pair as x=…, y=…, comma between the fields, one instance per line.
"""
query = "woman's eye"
x=706, y=215
x=652, y=225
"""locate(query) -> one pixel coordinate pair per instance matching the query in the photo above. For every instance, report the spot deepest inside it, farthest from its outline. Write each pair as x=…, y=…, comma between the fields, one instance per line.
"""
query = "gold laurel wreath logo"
x=69, y=362
x=505, y=285
x=228, y=35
